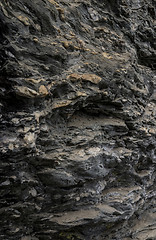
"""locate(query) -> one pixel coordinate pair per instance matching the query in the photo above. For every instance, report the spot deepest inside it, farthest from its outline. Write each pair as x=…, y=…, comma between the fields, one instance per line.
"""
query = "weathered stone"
x=43, y=90
x=26, y=92
x=85, y=77
x=77, y=120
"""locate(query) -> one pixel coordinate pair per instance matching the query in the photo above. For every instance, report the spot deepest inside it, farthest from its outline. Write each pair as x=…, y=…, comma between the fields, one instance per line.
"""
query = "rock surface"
x=77, y=120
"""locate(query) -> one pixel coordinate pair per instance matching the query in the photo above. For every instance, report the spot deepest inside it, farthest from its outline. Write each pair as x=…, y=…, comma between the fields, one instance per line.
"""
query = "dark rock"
x=77, y=120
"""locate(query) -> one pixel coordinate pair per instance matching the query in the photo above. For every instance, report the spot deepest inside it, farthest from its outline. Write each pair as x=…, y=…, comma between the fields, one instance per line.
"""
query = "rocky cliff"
x=77, y=120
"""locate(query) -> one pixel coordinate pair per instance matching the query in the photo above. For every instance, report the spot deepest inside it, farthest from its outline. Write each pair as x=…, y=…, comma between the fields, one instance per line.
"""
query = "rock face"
x=78, y=120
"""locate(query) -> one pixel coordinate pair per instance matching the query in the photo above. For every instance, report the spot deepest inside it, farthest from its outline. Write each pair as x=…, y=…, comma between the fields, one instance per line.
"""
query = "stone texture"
x=77, y=120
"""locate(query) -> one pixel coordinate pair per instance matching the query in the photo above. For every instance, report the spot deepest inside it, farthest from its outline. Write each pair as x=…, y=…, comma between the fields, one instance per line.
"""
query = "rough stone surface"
x=77, y=120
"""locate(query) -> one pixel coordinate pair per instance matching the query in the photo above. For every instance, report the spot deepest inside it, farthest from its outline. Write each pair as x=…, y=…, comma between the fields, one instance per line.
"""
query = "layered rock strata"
x=78, y=120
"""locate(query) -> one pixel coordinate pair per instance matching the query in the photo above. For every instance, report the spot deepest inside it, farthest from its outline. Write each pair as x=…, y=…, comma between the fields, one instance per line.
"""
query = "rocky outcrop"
x=78, y=120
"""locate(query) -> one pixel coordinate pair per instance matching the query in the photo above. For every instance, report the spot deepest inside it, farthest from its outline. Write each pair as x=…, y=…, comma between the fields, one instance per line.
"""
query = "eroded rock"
x=77, y=120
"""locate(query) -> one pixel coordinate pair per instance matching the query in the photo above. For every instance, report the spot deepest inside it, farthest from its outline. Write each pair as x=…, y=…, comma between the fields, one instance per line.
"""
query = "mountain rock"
x=77, y=120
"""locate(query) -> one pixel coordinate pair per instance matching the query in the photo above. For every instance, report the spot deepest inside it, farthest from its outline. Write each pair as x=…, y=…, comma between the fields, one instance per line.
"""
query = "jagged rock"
x=77, y=120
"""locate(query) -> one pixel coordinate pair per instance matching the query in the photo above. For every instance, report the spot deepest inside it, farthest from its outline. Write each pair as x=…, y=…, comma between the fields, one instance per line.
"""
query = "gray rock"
x=77, y=120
